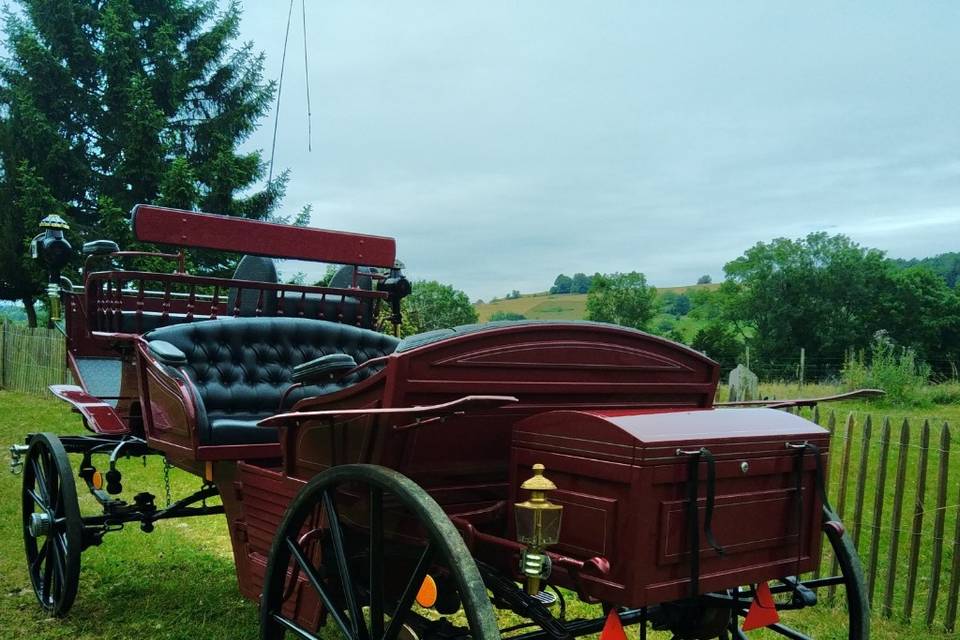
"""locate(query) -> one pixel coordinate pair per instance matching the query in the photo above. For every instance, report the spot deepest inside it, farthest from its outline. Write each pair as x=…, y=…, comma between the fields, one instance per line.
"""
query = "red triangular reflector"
x=613, y=628
x=763, y=611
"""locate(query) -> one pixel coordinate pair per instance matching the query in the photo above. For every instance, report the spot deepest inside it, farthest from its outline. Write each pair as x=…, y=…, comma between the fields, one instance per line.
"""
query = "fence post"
x=3, y=353
x=842, y=490
x=878, y=497
x=954, y=591
x=897, y=516
x=938, y=524
x=863, y=463
x=917, y=528
x=803, y=362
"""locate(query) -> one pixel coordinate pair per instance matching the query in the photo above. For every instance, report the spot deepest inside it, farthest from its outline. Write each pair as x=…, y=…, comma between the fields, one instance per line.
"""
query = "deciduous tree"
x=562, y=284
x=622, y=298
x=433, y=305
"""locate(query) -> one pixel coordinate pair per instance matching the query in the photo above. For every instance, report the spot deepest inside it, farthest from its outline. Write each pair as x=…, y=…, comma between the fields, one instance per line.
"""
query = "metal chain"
x=166, y=478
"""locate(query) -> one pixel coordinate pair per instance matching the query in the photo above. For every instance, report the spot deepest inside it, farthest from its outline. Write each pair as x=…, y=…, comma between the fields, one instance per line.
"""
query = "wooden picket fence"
x=31, y=359
x=890, y=482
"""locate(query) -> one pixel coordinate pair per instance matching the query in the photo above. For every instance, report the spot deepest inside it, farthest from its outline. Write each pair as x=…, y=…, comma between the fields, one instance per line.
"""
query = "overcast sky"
x=503, y=143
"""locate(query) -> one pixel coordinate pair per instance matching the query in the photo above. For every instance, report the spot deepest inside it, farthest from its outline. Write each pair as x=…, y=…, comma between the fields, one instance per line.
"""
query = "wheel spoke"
x=413, y=586
x=45, y=592
x=357, y=622
x=41, y=555
x=293, y=626
x=40, y=478
x=59, y=554
x=53, y=484
x=314, y=580
x=376, y=562
x=36, y=499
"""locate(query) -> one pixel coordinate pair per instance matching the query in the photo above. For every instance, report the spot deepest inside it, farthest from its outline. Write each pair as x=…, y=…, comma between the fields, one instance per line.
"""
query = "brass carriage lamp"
x=55, y=251
x=538, y=527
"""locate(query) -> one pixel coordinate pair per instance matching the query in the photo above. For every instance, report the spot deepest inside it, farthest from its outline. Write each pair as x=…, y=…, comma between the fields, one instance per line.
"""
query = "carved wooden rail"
x=119, y=300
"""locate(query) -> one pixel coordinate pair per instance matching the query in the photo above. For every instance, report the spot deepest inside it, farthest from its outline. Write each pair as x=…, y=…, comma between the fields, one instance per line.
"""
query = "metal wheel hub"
x=39, y=524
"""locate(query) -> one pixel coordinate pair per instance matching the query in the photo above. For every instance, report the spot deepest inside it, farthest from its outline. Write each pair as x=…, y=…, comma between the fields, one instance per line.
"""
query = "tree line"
x=822, y=293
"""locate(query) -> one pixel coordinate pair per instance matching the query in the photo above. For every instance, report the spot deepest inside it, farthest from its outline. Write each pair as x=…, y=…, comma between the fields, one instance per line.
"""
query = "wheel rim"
x=51, y=525
x=843, y=589
x=361, y=539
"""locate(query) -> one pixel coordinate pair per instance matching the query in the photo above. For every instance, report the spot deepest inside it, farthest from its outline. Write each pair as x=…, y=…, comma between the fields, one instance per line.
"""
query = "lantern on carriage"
x=55, y=251
x=538, y=527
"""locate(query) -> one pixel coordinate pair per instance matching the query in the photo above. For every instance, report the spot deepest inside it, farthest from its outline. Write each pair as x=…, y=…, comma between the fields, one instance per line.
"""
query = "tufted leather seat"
x=240, y=367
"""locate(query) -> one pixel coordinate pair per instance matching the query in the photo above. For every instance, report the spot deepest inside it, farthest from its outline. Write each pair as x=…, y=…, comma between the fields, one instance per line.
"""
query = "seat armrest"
x=327, y=367
x=168, y=354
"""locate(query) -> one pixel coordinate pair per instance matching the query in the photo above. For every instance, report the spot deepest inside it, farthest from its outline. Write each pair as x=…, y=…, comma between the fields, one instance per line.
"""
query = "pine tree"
x=108, y=103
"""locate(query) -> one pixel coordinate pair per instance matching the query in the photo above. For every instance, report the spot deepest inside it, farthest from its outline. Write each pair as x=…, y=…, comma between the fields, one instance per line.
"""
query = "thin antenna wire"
x=276, y=118
x=306, y=72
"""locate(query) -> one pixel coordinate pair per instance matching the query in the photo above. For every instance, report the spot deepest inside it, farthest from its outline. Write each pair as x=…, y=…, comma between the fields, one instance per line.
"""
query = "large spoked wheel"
x=52, y=529
x=804, y=605
x=378, y=557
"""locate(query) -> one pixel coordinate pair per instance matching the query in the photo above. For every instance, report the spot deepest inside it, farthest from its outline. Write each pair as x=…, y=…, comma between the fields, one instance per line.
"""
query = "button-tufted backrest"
x=242, y=366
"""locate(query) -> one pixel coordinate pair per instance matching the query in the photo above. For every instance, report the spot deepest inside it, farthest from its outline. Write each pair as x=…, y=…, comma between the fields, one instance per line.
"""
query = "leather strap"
x=693, y=515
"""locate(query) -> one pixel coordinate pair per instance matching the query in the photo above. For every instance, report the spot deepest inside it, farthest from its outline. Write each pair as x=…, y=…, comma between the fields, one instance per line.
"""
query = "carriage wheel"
x=799, y=621
x=52, y=529
x=363, y=541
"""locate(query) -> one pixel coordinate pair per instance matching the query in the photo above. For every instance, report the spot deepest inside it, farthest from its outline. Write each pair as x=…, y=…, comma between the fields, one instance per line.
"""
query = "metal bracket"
x=17, y=452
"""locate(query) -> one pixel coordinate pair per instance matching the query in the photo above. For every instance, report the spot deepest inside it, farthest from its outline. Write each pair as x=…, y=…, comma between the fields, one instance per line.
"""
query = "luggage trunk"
x=624, y=480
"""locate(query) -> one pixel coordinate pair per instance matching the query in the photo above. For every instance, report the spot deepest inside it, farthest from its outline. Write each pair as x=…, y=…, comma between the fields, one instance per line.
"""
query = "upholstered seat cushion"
x=241, y=367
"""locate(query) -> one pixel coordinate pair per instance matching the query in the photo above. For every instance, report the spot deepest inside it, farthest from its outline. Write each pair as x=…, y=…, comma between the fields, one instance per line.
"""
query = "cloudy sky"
x=502, y=143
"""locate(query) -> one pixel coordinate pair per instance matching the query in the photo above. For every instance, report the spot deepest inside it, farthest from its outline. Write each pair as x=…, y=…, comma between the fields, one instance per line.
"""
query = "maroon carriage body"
x=606, y=410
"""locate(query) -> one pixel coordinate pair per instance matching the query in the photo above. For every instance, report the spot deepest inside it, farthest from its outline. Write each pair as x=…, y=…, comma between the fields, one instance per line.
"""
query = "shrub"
x=506, y=315
x=896, y=370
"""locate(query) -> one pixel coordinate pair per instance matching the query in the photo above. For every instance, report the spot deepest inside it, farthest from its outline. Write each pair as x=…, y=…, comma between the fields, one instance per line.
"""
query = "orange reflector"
x=613, y=628
x=763, y=610
x=208, y=472
x=427, y=596
x=97, y=480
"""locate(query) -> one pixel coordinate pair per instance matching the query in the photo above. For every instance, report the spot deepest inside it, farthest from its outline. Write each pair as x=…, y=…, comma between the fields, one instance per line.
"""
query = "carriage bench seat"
x=240, y=367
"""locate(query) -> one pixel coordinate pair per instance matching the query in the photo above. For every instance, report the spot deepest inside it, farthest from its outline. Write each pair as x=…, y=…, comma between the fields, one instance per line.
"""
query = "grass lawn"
x=179, y=582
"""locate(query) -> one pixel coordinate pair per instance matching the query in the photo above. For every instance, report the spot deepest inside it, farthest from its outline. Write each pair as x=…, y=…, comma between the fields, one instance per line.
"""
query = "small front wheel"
x=370, y=552
x=52, y=529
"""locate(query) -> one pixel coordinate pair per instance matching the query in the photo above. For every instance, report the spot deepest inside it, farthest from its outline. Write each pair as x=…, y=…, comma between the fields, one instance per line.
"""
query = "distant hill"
x=947, y=265
x=546, y=306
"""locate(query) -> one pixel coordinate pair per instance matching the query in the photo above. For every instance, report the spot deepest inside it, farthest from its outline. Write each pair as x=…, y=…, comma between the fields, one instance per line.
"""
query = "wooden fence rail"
x=911, y=556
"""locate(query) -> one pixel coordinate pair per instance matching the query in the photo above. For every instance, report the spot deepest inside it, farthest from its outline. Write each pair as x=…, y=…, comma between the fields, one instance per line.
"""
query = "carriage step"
x=546, y=598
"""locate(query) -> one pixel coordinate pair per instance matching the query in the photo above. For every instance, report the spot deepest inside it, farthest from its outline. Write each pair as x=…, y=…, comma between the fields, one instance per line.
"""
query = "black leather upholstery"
x=343, y=278
x=335, y=308
x=133, y=322
x=167, y=353
x=258, y=269
x=323, y=368
x=100, y=247
x=240, y=367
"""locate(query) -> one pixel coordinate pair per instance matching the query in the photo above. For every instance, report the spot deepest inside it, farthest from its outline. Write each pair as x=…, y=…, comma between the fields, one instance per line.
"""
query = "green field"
x=178, y=582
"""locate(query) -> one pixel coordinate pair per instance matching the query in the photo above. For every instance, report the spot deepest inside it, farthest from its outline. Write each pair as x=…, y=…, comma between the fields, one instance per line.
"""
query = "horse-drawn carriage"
x=387, y=487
